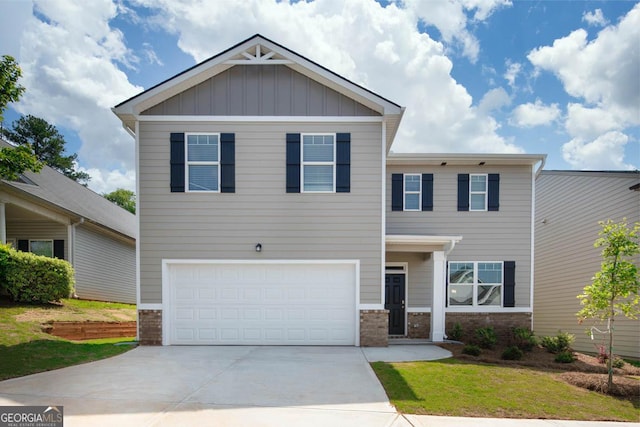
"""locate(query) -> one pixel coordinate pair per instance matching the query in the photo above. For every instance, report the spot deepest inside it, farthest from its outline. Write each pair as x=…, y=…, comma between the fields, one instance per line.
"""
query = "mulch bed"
x=586, y=371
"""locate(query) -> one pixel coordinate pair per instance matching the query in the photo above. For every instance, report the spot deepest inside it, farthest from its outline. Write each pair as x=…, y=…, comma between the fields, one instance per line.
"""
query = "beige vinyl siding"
x=105, y=266
x=504, y=235
x=38, y=230
x=260, y=90
x=302, y=226
x=571, y=204
x=419, y=278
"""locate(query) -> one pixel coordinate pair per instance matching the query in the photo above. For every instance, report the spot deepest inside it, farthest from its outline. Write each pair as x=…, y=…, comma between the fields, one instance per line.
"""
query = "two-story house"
x=268, y=212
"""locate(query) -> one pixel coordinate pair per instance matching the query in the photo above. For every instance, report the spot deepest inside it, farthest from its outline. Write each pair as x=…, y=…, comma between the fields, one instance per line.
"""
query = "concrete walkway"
x=237, y=386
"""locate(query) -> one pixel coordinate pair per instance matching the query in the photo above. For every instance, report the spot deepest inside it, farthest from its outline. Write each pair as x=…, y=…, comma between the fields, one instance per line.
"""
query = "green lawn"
x=25, y=349
x=455, y=388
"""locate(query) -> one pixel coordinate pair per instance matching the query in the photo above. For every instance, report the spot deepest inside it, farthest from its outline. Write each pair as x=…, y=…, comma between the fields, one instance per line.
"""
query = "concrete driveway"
x=259, y=386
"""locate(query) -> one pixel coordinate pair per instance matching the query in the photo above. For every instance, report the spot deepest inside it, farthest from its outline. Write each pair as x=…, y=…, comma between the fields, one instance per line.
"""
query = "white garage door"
x=275, y=303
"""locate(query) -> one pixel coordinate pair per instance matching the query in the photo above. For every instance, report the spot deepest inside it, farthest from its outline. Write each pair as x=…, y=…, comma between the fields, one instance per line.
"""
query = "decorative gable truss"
x=258, y=55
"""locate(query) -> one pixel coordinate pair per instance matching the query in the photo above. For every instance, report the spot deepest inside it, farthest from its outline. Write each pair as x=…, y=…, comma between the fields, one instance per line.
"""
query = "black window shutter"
x=177, y=162
x=343, y=163
x=293, y=163
x=397, y=190
x=509, y=284
x=493, y=202
x=463, y=192
x=446, y=284
x=23, y=245
x=427, y=191
x=58, y=249
x=227, y=162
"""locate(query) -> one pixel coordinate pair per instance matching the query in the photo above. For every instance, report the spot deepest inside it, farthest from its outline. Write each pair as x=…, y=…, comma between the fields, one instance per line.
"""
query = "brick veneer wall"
x=374, y=328
x=419, y=325
x=150, y=327
x=502, y=323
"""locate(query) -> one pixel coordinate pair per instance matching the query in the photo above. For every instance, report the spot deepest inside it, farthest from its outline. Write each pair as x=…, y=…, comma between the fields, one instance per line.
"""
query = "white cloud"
x=513, y=70
x=440, y=116
x=603, y=153
x=494, y=99
x=603, y=74
x=69, y=61
x=534, y=114
x=450, y=18
x=105, y=181
x=595, y=18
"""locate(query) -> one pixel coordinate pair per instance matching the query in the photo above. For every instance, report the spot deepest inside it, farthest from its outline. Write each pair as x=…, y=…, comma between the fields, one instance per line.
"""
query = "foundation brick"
x=150, y=327
x=374, y=328
x=419, y=325
x=502, y=323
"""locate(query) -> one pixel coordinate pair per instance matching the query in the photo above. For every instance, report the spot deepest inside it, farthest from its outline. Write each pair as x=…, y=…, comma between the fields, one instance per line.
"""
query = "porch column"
x=3, y=224
x=438, y=297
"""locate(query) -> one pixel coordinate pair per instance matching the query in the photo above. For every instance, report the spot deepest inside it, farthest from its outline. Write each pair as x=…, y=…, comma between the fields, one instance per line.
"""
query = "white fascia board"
x=270, y=119
x=463, y=159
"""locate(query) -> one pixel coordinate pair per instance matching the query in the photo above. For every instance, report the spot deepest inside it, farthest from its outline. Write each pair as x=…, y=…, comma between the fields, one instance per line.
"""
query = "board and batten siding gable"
x=503, y=235
x=288, y=225
x=260, y=90
x=571, y=204
x=105, y=267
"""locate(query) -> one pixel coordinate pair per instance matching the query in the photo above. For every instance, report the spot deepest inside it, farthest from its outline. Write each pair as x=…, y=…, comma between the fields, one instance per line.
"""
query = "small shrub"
x=558, y=344
x=618, y=363
x=565, y=356
x=524, y=339
x=486, y=337
x=512, y=353
x=456, y=333
x=33, y=278
x=471, y=350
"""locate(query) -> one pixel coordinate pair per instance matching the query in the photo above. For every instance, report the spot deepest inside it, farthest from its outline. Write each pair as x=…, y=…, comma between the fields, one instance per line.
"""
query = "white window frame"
x=405, y=192
x=475, y=284
x=188, y=163
x=485, y=192
x=43, y=240
x=303, y=163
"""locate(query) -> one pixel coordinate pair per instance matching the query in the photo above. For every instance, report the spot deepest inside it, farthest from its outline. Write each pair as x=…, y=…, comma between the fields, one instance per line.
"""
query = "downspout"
x=535, y=176
x=72, y=244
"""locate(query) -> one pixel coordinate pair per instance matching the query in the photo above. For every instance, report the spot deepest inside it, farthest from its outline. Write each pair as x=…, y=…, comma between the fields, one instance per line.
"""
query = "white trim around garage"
x=166, y=263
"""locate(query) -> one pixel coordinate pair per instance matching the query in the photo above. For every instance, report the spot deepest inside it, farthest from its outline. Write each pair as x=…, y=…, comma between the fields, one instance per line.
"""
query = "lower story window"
x=41, y=247
x=475, y=283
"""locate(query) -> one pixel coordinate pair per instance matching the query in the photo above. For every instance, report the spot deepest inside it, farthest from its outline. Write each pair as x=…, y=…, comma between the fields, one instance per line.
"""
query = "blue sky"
x=554, y=77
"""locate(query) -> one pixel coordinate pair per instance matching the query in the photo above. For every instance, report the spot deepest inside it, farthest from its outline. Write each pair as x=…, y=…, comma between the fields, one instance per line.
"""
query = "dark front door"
x=394, y=291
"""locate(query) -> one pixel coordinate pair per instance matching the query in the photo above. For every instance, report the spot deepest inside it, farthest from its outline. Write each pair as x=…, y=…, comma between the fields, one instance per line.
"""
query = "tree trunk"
x=610, y=364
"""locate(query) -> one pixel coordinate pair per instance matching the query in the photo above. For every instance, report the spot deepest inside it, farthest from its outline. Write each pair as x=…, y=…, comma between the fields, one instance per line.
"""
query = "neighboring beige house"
x=271, y=213
x=50, y=214
x=569, y=205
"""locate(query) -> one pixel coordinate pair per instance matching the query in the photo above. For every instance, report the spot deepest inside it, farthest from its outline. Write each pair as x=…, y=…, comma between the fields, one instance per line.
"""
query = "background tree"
x=614, y=289
x=124, y=198
x=10, y=90
x=47, y=144
x=13, y=161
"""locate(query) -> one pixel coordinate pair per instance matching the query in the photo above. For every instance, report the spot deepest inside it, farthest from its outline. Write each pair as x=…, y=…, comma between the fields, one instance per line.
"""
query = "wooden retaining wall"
x=78, y=331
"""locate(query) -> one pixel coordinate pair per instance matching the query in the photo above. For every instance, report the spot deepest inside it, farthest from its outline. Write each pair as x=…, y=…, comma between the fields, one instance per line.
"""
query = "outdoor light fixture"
x=259, y=247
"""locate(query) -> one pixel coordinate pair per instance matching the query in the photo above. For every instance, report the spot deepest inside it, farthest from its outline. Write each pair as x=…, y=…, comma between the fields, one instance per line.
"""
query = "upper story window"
x=412, y=192
x=475, y=283
x=318, y=163
x=478, y=192
x=203, y=162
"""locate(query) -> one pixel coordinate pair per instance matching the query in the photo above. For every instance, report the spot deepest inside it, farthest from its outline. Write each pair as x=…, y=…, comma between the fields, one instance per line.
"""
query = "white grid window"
x=475, y=284
x=203, y=162
x=478, y=192
x=412, y=192
x=318, y=163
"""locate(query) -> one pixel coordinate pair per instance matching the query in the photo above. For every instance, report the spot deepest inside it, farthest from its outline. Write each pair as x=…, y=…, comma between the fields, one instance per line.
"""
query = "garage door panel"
x=269, y=303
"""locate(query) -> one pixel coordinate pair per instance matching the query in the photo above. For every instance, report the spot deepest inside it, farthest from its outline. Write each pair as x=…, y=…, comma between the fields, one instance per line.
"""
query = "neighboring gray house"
x=569, y=205
x=265, y=213
x=50, y=214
